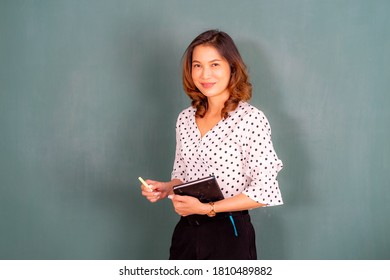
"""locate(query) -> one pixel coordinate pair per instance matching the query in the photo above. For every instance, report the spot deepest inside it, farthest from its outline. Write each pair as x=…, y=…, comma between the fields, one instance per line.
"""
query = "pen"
x=144, y=183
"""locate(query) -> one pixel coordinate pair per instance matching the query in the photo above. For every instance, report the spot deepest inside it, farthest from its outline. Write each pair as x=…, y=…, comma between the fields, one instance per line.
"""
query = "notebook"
x=205, y=189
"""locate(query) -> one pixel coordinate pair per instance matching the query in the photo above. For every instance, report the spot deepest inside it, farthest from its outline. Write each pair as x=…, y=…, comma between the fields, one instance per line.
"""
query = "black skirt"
x=227, y=236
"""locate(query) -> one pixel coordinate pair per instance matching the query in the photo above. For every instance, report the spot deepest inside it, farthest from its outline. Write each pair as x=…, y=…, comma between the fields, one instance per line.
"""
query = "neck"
x=215, y=106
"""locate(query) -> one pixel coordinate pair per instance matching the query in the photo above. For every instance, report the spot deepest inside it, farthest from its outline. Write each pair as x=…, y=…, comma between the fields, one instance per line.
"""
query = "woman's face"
x=210, y=72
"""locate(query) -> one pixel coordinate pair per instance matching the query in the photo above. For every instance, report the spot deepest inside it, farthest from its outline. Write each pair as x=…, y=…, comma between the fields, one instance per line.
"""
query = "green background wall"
x=90, y=91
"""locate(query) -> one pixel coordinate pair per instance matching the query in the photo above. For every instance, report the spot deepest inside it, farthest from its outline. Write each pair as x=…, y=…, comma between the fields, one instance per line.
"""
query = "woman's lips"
x=207, y=85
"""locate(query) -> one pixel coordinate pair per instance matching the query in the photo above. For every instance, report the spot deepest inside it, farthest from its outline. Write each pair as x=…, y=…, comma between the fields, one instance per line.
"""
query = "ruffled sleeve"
x=179, y=170
x=261, y=162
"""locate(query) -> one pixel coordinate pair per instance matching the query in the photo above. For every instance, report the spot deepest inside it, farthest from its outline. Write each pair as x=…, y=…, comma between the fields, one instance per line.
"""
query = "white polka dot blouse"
x=238, y=151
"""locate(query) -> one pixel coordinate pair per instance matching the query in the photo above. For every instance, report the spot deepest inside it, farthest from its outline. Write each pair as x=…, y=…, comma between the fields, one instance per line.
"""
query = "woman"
x=220, y=135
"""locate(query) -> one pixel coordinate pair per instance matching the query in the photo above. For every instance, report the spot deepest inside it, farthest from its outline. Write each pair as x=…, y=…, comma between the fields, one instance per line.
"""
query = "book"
x=205, y=189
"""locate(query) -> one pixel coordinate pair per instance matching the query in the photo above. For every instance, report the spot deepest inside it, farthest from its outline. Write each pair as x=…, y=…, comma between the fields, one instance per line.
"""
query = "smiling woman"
x=221, y=46
x=210, y=73
x=220, y=135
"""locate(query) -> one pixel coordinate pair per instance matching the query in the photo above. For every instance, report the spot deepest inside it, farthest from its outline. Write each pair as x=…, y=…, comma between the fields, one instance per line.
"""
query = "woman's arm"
x=187, y=205
x=236, y=203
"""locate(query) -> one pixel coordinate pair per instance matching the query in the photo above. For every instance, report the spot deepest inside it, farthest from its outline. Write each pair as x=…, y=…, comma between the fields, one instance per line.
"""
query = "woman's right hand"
x=158, y=190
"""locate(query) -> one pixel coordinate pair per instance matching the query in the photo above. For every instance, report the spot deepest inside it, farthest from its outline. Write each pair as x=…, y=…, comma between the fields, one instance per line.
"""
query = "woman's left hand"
x=188, y=205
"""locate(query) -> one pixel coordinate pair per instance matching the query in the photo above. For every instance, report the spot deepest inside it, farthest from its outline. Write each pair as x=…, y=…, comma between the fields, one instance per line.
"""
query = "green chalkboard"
x=90, y=91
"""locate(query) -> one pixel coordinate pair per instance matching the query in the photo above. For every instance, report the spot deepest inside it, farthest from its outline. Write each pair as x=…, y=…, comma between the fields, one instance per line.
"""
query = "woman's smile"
x=207, y=85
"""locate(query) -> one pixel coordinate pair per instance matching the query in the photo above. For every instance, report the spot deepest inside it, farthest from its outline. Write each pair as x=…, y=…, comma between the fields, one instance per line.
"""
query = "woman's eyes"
x=199, y=66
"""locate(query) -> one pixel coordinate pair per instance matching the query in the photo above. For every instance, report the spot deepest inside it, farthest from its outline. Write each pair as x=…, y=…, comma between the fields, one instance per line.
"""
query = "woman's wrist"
x=207, y=208
x=172, y=183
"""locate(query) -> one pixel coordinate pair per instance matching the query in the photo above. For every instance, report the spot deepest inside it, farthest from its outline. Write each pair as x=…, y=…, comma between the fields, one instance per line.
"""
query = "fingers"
x=146, y=189
x=184, y=205
x=153, y=197
x=182, y=198
x=188, y=205
x=151, y=182
x=155, y=190
x=150, y=193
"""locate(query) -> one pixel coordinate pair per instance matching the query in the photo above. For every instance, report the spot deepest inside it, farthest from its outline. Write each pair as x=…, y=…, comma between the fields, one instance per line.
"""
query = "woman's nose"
x=206, y=72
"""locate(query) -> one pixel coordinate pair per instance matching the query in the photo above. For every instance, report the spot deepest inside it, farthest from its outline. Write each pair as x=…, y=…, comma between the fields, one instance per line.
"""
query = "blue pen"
x=234, y=225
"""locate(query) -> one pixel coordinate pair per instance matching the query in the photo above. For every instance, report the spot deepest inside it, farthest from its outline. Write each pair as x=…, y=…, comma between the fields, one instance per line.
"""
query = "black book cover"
x=205, y=189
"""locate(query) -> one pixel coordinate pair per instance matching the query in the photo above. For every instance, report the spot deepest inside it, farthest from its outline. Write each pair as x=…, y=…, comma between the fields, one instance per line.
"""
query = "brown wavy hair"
x=239, y=86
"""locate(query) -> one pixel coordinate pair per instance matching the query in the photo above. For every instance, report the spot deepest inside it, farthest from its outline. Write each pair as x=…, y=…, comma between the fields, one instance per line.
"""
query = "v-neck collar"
x=209, y=131
x=241, y=105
